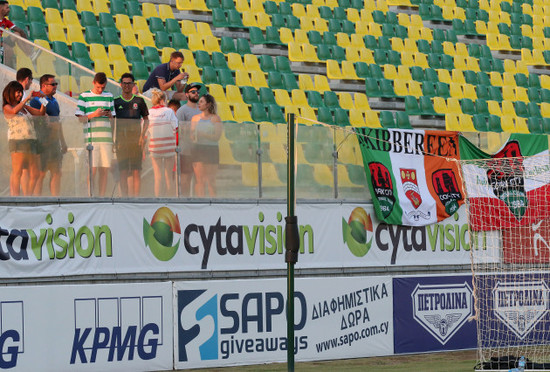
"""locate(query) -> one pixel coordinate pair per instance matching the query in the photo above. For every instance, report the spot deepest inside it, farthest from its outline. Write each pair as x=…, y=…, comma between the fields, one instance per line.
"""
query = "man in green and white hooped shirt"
x=95, y=108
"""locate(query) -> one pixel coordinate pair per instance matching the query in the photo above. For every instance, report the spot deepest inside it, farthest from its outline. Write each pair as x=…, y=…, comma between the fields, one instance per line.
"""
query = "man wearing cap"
x=168, y=75
x=184, y=115
x=6, y=23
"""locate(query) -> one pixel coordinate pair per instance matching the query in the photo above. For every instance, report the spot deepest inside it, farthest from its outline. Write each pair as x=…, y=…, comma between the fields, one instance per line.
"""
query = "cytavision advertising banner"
x=122, y=327
x=221, y=323
x=77, y=239
x=433, y=313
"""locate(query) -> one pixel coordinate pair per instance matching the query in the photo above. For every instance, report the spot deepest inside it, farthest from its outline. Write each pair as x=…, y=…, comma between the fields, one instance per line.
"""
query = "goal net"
x=508, y=198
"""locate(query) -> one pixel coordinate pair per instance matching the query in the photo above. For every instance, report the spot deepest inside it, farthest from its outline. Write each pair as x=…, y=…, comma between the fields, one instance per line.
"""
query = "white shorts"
x=102, y=155
x=169, y=94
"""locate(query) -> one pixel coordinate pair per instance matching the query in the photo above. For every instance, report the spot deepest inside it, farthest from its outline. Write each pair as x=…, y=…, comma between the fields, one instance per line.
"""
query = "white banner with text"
x=100, y=327
x=81, y=239
x=222, y=323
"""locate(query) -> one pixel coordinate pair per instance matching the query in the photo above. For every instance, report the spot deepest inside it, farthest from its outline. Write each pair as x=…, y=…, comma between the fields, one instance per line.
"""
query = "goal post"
x=508, y=199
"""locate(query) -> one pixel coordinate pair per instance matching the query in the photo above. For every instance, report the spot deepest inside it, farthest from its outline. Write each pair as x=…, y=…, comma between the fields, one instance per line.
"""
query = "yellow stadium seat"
x=343, y=40
x=521, y=68
x=508, y=93
x=320, y=24
x=353, y=15
x=397, y=44
x=233, y=94
x=101, y=65
x=194, y=74
x=309, y=53
x=361, y=102
x=460, y=62
x=199, y=5
x=251, y=63
x=357, y=41
x=496, y=78
x=43, y=43
x=400, y=87
x=70, y=17
x=403, y=19
x=352, y=54
x=390, y=72
x=407, y=58
x=508, y=79
x=374, y=29
x=451, y=122
x=74, y=34
x=204, y=29
x=403, y=72
x=53, y=16
x=149, y=9
x=508, y=108
x=217, y=91
x=426, y=34
x=356, y=118
x=282, y=97
x=243, y=6
x=345, y=100
x=119, y=68
x=321, y=83
x=188, y=27
x=459, y=13
x=241, y=113
x=295, y=53
x=84, y=5
x=145, y=38
x=312, y=11
x=469, y=91
x=165, y=11
x=372, y=119
x=225, y=113
x=453, y=106
x=299, y=98
x=472, y=64
x=307, y=116
x=414, y=32
x=444, y=76
x=307, y=23
x=127, y=37
x=100, y=6
x=116, y=53
x=165, y=54
x=366, y=55
x=211, y=44
x=457, y=76
x=466, y=123
x=56, y=32
x=97, y=51
x=348, y=71
x=305, y=82
x=139, y=23
x=263, y=20
x=521, y=125
x=226, y=154
x=286, y=36
x=415, y=89
x=456, y=91
x=333, y=70
x=184, y=5
x=235, y=61
x=242, y=78
x=545, y=109
x=494, y=108
x=298, y=10
x=188, y=57
x=249, y=19
x=195, y=42
x=122, y=21
x=440, y=105
x=421, y=60
x=521, y=94
x=258, y=79
x=481, y=27
x=449, y=48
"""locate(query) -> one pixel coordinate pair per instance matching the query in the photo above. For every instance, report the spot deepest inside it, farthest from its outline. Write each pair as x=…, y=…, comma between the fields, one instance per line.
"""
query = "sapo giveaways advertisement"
x=221, y=323
x=80, y=239
x=115, y=327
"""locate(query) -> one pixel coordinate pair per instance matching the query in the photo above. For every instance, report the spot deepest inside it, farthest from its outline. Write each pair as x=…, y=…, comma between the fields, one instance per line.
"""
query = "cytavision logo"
x=59, y=242
x=224, y=239
x=521, y=305
x=117, y=328
x=357, y=232
x=210, y=327
x=442, y=309
x=11, y=333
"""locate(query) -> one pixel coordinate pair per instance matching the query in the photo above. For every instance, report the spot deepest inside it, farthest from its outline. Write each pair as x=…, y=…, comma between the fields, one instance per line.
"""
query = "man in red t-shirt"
x=6, y=23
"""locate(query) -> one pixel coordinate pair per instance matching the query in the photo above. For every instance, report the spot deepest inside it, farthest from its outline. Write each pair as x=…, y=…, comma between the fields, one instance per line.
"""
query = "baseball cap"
x=2, y=2
x=190, y=86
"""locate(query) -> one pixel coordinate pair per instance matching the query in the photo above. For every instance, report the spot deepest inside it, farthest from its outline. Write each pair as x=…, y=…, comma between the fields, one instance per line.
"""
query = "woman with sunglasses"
x=21, y=137
x=206, y=130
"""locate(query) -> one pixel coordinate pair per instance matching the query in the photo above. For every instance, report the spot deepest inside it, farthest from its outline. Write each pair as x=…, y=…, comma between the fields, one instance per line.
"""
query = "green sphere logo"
x=357, y=232
x=159, y=234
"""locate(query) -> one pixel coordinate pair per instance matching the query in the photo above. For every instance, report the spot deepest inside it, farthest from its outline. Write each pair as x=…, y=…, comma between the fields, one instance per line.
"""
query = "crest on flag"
x=446, y=186
x=383, y=187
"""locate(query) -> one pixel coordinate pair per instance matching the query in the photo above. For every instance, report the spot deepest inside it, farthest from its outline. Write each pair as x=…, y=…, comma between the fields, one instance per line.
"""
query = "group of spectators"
x=120, y=128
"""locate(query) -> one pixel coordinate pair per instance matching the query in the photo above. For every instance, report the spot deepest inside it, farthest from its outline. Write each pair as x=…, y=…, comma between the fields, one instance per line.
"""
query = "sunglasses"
x=193, y=91
x=53, y=84
x=127, y=82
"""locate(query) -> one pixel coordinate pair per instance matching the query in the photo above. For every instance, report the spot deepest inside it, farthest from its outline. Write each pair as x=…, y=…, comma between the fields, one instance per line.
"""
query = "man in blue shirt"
x=51, y=142
x=166, y=76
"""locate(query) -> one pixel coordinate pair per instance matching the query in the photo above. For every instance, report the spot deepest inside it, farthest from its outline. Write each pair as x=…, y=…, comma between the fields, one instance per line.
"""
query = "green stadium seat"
x=225, y=77
x=411, y=105
x=35, y=15
x=219, y=62
x=426, y=106
x=61, y=48
x=134, y=8
x=362, y=70
x=467, y=106
x=258, y=112
x=534, y=94
x=179, y=41
x=243, y=47
x=17, y=14
x=139, y=70
x=45, y=4
x=266, y=63
x=533, y=110
x=341, y=117
x=442, y=90
x=162, y=40
x=372, y=88
x=106, y=21
x=133, y=54
x=87, y=18
x=213, y=4
x=481, y=107
x=428, y=88
x=402, y=120
x=276, y=115
x=256, y=36
x=92, y=35
x=331, y=99
x=370, y=42
x=480, y=123
x=387, y=120
x=324, y=115
x=495, y=93
x=270, y=7
x=534, y=124
x=234, y=18
x=275, y=80
x=38, y=31
x=156, y=24
x=209, y=75
x=227, y=45
x=219, y=18
x=494, y=124
x=249, y=95
x=272, y=35
x=283, y=64
x=386, y=88
x=266, y=96
x=151, y=56
x=118, y=7
x=67, y=4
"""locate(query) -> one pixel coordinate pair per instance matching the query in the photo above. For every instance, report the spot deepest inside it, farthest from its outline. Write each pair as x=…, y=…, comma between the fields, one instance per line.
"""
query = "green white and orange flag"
x=411, y=174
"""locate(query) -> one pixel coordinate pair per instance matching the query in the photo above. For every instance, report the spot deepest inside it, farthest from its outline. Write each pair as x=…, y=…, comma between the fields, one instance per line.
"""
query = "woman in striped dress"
x=163, y=125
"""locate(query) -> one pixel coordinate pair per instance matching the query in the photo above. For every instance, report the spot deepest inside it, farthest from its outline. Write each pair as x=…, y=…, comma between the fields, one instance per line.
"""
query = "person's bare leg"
x=135, y=183
x=167, y=165
x=156, y=163
x=103, y=174
x=123, y=182
x=33, y=172
x=211, y=171
x=198, y=168
x=55, y=182
x=16, y=173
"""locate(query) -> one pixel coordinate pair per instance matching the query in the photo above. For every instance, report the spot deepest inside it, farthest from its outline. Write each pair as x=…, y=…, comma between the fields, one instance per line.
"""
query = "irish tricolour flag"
x=411, y=174
x=510, y=188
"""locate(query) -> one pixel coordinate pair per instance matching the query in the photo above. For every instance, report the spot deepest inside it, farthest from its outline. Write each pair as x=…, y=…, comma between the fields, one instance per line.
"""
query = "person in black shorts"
x=130, y=136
